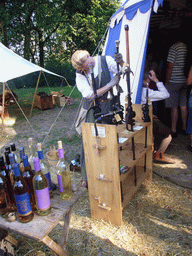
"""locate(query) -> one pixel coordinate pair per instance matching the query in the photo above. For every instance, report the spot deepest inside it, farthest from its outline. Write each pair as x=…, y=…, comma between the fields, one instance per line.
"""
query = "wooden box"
x=117, y=163
x=43, y=101
x=58, y=99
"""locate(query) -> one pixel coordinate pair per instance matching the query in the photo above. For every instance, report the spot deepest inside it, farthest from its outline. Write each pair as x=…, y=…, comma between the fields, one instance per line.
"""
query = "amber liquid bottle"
x=21, y=154
x=5, y=173
x=28, y=177
x=43, y=202
x=5, y=202
x=21, y=193
x=11, y=172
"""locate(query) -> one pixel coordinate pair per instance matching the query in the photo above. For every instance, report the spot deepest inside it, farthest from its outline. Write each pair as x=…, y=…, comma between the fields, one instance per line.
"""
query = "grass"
x=25, y=99
x=66, y=90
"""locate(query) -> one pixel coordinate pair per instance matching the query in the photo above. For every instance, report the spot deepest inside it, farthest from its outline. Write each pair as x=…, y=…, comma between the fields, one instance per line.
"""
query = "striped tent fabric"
x=136, y=14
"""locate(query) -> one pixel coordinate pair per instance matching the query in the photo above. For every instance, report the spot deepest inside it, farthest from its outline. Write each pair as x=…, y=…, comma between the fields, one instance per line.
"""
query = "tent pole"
x=35, y=93
x=3, y=103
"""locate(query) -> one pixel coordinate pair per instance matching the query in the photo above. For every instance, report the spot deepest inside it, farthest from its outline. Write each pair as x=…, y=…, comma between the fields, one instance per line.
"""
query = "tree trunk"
x=3, y=26
x=41, y=50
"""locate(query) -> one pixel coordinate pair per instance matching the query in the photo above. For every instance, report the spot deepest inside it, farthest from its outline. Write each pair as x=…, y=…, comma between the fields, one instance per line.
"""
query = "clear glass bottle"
x=63, y=175
x=45, y=168
x=21, y=154
x=28, y=175
x=32, y=153
x=40, y=184
x=21, y=193
x=5, y=203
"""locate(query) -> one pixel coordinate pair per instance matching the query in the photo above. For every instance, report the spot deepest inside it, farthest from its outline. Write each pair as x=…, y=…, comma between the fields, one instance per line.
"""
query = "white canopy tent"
x=12, y=66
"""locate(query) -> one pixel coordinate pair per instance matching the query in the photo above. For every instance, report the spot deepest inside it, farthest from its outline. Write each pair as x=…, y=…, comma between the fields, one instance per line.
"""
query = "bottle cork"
x=60, y=146
x=38, y=146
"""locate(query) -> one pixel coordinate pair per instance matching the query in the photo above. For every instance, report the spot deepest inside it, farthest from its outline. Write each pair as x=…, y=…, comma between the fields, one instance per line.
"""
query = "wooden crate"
x=114, y=147
x=58, y=99
x=43, y=102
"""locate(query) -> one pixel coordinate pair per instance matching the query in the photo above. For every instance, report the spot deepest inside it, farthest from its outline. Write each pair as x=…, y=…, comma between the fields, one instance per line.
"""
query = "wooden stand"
x=114, y=147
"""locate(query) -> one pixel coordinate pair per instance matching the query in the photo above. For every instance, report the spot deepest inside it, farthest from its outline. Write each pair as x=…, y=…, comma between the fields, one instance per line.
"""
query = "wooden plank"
x=135, y=162
x=40, y=226
x=102, y=167
x=54, y=247
x=65, y=230
x=128, y=186
x=11, y=240
x=126, y=154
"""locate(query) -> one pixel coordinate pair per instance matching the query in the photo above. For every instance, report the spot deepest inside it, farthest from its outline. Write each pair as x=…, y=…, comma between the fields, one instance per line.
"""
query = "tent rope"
x=57, y=117
x=20, y=107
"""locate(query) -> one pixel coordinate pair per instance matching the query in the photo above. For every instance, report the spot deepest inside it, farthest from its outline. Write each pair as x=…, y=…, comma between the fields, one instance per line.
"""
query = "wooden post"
x=54, y=247
x=35, y=93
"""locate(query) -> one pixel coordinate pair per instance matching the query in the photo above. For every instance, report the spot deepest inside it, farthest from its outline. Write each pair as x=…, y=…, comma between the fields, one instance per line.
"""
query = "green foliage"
x=42, y=29
x=64, y=69
x=85, y=29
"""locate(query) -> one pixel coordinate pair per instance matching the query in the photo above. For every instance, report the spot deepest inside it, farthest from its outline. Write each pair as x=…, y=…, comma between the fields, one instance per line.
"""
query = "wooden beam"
x=35, y=93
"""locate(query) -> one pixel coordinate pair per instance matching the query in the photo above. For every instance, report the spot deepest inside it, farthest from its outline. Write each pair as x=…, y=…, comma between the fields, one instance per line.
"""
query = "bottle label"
x=48, y=176
x=23, y=204
x=43, y=198
x=60, y=183
x=61, y=153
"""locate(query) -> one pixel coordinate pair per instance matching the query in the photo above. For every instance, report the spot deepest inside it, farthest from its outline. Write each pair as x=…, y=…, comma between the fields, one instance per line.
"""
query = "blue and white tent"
x=136, y=14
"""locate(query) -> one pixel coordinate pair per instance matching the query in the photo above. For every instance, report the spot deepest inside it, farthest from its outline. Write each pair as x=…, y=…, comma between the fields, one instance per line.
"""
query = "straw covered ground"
x=157, y=221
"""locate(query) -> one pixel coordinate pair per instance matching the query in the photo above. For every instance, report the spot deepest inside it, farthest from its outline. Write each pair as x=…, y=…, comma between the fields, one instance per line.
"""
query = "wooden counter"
x=41, y=226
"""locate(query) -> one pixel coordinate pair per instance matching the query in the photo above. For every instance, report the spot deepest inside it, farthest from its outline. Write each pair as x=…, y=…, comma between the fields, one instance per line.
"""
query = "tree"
x=40, y=28
x=84, y=26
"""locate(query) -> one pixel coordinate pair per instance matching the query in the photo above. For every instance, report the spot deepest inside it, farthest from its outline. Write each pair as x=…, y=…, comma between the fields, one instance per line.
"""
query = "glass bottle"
x=11, y=172
x=21, y=154
x=32, y=153
x=40, y=184
x=8, y=149
x=63, y=175
x=28, y=175
x=5, y=173
x=45, y=168
x=15, y=152
x=5, y=203
x=21, y=193
x=8, y=166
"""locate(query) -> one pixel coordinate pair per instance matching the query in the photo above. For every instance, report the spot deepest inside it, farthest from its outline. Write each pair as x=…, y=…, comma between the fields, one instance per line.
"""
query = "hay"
x=157, y=222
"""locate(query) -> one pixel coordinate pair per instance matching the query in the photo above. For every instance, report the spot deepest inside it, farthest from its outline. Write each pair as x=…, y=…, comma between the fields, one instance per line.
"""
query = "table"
x=41, y=226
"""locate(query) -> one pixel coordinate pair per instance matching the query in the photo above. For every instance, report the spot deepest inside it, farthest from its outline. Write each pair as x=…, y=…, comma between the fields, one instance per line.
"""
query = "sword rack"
x=117, y=163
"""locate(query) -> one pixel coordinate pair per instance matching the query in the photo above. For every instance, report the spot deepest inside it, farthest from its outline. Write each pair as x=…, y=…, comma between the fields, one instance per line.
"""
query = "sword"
x=130, y=114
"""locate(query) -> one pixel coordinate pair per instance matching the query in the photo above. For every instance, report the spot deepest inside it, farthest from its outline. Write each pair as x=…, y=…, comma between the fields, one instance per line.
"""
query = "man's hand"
x=153, y=77
x=118, y=58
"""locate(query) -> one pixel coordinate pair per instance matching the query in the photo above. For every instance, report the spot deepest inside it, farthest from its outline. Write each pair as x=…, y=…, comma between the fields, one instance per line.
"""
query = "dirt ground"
x=157, y=221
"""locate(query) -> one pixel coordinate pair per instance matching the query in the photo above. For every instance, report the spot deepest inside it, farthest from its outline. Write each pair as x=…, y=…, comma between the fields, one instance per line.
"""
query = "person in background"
x=176, y=85
x=161, y=133
x=102, y=67
x=189, y=123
